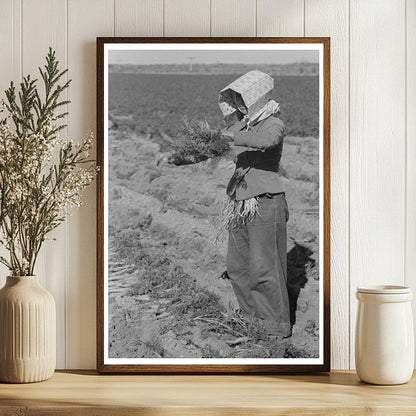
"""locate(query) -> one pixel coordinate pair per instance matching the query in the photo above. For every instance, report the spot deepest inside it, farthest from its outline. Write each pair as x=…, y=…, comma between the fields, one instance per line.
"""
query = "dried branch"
x=36, y=193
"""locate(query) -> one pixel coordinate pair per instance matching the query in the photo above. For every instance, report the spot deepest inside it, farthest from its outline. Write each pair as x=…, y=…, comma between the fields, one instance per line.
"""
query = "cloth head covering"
x=248, y=96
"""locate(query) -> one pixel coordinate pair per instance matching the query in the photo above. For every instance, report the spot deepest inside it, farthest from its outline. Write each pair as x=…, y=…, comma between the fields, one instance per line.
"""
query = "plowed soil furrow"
x=158, y=211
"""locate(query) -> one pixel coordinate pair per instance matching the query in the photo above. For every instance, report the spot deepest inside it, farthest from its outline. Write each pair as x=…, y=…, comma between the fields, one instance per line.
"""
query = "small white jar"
x=384, y=352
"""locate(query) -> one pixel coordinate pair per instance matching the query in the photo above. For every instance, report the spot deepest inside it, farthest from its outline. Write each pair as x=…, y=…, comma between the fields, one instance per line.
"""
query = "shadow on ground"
x=298, y=259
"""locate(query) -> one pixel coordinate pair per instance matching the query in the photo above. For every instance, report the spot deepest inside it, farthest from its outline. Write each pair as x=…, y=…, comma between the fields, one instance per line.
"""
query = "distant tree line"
x=298, y=68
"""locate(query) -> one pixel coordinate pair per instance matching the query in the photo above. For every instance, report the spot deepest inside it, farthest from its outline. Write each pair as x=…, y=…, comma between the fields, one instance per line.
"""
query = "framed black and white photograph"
x=213, y=205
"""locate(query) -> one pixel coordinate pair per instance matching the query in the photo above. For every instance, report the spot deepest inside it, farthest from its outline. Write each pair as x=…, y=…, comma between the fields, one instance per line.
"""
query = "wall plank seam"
x=405, y=146
x=21, y=39
x=210, y=18
x=349, y=181
x=304, y=17
x=66, y=243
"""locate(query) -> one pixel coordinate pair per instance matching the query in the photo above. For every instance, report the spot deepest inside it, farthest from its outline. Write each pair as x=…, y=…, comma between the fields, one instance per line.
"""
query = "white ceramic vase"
x=27, y=331
x=384, y=352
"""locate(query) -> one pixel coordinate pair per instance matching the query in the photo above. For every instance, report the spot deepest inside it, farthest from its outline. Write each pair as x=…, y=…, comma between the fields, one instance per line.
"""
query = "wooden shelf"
x=86, y=393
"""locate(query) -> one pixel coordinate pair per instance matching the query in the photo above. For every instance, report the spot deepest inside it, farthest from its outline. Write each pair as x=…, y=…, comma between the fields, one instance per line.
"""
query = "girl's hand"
x=228, y=133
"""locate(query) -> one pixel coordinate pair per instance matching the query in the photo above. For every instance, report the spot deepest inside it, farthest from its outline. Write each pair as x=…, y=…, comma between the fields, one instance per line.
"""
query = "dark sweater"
x=261, y=161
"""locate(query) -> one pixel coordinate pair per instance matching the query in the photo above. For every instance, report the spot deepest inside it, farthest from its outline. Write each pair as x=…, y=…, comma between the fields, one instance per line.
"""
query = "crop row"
x=158, y=103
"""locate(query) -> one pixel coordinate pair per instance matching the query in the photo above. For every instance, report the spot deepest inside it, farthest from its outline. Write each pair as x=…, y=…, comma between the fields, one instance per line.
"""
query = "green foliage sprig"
x=41, y=175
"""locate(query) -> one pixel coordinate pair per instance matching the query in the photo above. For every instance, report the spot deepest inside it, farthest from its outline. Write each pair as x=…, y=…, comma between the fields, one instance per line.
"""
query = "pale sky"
x=147, y=57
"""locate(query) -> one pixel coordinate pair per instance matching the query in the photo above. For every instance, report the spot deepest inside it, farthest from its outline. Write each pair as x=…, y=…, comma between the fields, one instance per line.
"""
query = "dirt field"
x=167, y=294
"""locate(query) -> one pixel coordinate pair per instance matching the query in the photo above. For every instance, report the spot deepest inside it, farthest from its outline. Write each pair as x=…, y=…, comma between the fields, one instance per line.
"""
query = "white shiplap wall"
x=373, y=132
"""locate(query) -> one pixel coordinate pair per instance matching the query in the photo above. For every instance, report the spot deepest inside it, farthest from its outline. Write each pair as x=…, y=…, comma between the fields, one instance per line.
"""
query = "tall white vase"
x=27, y=331
x=384, y=352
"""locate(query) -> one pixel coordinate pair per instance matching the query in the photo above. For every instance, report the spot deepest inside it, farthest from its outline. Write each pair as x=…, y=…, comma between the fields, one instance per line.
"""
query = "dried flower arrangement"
x=42, y=175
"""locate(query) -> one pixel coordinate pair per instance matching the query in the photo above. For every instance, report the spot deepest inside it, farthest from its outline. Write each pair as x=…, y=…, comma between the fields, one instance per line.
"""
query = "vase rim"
x=22, y=277
x=384, y=289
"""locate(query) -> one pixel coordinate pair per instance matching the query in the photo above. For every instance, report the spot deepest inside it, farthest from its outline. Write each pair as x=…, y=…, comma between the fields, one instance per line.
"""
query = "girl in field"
x=257, y=211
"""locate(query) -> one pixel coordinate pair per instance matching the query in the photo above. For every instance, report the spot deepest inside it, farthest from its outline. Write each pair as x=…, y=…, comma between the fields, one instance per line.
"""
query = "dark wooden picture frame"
x=104, y=367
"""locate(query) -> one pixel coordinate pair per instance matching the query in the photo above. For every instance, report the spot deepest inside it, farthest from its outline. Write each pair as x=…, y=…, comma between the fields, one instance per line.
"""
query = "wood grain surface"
x=138, y=18
x=35, y=45
x=378, y=37
x=233, y=18
x=85, y=393
x=187, y=18
x=410, y=231
x=330, y=18
x=280, y=18
x=81, y=259
x=10, y=64
x=377, y=148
